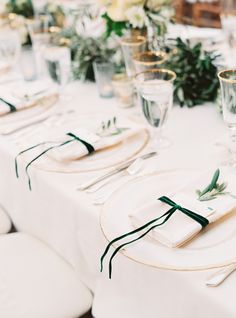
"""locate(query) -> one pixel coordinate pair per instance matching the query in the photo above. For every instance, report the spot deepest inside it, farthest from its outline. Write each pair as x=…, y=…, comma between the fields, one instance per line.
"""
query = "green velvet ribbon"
x=89, y=147
x=164, y=217
x=10, y=105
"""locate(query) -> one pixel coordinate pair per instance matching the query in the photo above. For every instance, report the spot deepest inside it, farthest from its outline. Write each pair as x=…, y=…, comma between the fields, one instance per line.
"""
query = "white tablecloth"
x=66, y=219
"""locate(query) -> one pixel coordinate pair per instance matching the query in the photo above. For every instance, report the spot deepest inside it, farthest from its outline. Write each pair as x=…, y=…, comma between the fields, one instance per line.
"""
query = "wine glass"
x=58, y=64
x=148, y=60
x=228, y=95
x=40, y=36
x=155, y=88
x=10, y=47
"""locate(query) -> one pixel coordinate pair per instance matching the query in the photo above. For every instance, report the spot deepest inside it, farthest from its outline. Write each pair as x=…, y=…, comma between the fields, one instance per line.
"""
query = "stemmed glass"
x=228, y=94
x=148, y=60
x=155, y=87
x=40, y=35
x=58, y=63
x=10, y=47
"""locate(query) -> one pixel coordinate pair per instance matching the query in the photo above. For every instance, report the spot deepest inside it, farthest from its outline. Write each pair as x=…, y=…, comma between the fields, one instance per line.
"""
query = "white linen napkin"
x=37, y=92
x=76, y=149
x=180, y=228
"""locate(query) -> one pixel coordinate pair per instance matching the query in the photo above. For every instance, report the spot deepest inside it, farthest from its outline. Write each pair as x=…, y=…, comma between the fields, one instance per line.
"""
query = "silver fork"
x=132, y=170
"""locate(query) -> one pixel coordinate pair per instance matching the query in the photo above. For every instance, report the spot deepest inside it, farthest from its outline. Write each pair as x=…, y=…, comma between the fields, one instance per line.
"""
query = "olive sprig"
x=214, y=189
x=109, y=128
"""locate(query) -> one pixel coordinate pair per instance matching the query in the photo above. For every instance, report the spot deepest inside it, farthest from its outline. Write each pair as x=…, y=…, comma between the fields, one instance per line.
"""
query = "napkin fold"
x=76, y=149
x=180, y=228
x=25, y=97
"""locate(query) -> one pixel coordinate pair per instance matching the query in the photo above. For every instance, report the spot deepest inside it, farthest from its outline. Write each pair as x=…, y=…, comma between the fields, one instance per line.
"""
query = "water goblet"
x=228, y=95
x=10, y=47
x=148, y=60
x=155, y=88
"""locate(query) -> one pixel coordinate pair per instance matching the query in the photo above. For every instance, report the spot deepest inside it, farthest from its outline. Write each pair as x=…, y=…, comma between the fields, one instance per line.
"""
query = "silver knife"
x=219, y=277
x=114, y=171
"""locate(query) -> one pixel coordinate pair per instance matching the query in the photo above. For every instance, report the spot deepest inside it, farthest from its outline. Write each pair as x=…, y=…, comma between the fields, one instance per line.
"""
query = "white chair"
x=37, y=283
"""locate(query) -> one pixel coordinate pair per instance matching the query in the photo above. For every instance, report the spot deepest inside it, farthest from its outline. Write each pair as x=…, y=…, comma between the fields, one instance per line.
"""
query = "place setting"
x=84, y=143
x=118, y=157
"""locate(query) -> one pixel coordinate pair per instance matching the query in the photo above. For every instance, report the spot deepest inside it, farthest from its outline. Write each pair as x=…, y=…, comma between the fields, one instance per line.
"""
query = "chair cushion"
x=5, y=222
x=37, y=283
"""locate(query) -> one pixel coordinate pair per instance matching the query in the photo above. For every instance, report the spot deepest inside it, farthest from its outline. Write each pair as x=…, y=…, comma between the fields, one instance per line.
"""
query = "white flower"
x=167, y=12
x=116, y=9
x=155, y=5
x=136, y=16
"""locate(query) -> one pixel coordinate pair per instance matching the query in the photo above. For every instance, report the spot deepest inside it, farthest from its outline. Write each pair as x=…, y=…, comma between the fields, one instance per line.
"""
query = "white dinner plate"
x=214, y=247
x=99, y=160
x=29, y=113
x=17, y=89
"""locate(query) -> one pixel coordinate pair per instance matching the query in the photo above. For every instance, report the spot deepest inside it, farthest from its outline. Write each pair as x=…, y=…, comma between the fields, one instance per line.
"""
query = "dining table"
x=68, y=221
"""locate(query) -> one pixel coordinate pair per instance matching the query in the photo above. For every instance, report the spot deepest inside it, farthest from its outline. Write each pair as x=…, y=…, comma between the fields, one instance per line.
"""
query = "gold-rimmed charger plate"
x=36, y=111
x=213, y=247
x=99, y=160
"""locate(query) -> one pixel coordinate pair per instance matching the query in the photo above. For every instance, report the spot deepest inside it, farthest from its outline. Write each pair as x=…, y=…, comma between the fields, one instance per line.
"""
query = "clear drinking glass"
x=10, y=47
x=148, y=60
x=124, y=90
x=58, y=63
x=228, y=94
x=28, y=63
x=40, y=36
x=130, y=47
x=155, y=88
x=228, y=20
x=103, y=72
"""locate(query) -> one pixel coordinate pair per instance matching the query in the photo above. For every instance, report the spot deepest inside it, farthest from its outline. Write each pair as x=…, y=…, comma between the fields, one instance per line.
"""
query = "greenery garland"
x=196, y=71
x=22, y=7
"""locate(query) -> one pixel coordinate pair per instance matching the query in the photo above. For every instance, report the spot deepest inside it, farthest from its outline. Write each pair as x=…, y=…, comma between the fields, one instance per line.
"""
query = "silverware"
x=112, y=172
x=132, y=169
x=219, y=277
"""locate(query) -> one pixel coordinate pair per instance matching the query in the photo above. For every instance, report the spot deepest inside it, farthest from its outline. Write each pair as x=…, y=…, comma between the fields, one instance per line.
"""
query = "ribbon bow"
x=166, y=216
x=197, y=217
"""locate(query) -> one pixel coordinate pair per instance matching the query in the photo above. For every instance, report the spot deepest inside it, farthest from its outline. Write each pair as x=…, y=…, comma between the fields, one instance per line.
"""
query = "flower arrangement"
x=85, y=50
x=121, y=15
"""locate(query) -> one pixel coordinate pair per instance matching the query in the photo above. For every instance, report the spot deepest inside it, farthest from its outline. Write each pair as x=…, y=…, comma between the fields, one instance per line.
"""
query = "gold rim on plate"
x=158, y=265
x=145, y=136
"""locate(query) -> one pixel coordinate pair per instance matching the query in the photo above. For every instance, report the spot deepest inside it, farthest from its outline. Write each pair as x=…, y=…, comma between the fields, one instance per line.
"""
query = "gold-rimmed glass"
x=155, y=88
x=148, y=60
x=228, y=20
x=228, y=97
x=130, y=47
